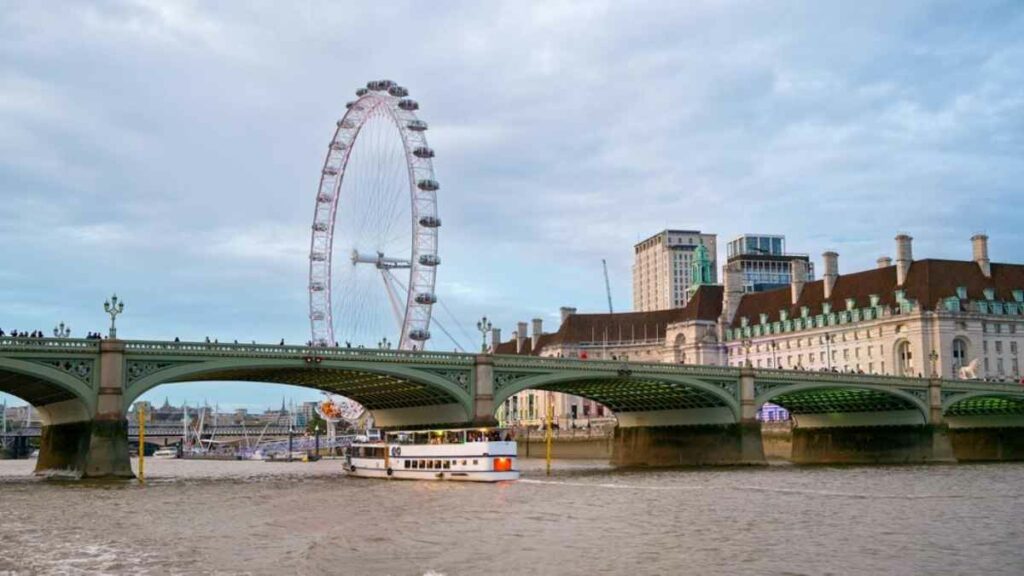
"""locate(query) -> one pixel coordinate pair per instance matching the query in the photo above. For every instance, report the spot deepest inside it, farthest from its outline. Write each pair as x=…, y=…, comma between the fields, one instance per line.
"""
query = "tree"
x=316, y=423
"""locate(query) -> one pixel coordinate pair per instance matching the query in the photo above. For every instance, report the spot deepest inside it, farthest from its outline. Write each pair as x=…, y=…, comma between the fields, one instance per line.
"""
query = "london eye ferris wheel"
x=373, y=254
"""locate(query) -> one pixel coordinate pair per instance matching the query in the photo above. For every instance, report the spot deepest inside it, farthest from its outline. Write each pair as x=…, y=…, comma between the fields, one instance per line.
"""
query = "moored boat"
x=166, y=453
x=468, y=454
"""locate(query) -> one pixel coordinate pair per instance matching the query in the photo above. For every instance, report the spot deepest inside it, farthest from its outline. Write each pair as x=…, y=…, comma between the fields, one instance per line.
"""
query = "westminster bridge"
x=668, y=414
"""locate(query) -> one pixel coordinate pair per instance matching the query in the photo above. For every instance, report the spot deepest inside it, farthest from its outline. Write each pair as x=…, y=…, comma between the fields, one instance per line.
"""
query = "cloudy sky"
x=171, y=150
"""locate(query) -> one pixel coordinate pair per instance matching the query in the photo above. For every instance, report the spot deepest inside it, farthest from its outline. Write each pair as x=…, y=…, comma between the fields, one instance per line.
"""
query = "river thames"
x=207, y=517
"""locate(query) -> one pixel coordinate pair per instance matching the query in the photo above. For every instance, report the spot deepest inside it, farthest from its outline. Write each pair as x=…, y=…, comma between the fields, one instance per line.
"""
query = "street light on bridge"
x=113, y=307
x=484, y=326
x=384, y=344
x=61, y=331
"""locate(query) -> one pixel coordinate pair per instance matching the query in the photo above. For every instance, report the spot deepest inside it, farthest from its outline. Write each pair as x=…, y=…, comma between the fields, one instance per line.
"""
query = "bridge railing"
x=49, y=344
x=881, y=379
x=137, y=347
x=513, y=361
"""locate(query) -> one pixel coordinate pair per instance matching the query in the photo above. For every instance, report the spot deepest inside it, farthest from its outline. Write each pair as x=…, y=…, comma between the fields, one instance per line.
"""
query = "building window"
x=959, y=355
x=904, y=359
x=1013, y=348
x=999, y=347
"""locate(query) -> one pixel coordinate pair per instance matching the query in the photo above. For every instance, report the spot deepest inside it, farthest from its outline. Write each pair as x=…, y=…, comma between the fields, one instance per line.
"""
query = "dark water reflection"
x=261, y=518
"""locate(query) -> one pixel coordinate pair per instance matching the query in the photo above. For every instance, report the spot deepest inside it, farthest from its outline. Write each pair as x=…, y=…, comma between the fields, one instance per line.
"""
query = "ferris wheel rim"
x=391, y=100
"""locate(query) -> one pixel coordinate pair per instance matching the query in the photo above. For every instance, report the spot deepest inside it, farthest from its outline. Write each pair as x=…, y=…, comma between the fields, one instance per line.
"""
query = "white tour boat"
x=470, y=454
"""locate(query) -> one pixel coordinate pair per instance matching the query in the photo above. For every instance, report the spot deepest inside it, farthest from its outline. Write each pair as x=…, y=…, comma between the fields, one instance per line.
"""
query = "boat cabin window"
x=369, y=452
x=447, y=464
x=450, y=436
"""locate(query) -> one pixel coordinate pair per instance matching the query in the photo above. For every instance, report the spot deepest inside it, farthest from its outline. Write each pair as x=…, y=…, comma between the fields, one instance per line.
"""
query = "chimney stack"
x=520, y=336
x=733, y=291
x=798, y=277
x=904, y=257
x=831, y=272
x=883, y=262
x=495, y=339
x=566, y=312
x=979, y=242
x=538, y=325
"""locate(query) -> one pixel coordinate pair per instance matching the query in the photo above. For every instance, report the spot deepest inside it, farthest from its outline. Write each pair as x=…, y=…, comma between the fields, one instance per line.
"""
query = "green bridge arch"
x=43, y=382
x=984, y=402
x=662, y=392
x=845, y=397
x=375, y=385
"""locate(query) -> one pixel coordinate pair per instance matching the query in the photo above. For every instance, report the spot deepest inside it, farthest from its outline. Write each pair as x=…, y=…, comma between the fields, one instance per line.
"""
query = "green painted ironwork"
x=45, y=371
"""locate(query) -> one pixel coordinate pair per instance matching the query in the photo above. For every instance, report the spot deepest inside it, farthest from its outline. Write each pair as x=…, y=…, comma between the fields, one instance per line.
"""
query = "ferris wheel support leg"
x=396, y=308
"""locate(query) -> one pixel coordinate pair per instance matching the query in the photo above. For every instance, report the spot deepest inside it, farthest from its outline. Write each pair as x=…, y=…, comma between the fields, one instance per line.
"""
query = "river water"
x=203, y=517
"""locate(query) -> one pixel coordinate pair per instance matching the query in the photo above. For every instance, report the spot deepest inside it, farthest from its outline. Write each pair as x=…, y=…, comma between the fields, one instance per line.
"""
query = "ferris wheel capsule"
x=416, y=125
x=408, y=105
x=398, y=91
x=419, y=335
x=428, y=185
x=430, y=222
x=430, y=260
x=426, y=298
x=423, y=152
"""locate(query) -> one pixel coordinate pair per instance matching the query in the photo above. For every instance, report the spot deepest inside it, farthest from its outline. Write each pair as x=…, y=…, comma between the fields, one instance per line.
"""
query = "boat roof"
x=444, y=430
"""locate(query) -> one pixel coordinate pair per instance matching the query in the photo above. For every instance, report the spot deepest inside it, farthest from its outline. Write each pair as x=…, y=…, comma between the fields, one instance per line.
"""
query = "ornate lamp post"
x=484, y=326
x=113, y=307
x=934, y=357
x=384, y=344
x=829, y=339
x=61, y=331
x=746, y=352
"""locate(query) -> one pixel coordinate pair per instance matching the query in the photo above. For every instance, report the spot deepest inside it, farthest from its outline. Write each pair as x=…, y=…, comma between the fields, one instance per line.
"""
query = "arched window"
x=959, y=355
x=680, y=354
x=904, y=359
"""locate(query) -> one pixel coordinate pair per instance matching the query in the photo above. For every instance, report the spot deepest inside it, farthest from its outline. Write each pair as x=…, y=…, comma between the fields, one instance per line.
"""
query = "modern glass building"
x=765, y=263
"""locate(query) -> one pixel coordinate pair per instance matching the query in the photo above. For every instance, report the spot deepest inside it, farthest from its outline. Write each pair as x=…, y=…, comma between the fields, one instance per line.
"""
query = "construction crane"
x=607, y=285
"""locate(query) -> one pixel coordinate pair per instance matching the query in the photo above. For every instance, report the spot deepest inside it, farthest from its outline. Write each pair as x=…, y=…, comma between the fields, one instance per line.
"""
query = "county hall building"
x=904, y=317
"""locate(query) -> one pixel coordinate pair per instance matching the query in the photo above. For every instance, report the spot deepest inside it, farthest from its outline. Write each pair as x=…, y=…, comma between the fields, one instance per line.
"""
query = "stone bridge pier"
x=709, y=436
x=85, y=440
x=896, y=431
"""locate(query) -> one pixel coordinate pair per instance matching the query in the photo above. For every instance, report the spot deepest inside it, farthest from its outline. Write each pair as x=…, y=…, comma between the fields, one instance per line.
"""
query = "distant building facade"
x=764, y=261
x=908, y=318
x=663, y=268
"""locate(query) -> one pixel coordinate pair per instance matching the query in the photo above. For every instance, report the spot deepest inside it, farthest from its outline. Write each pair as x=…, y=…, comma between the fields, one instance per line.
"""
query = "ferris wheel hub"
x=379, y=260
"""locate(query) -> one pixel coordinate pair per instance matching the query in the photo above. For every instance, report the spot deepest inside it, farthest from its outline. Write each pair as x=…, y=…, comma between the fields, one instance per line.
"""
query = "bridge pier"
x=694, y=437
x=696, y=445
x=928, y=443
x=75, y=443
x=996, y=438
